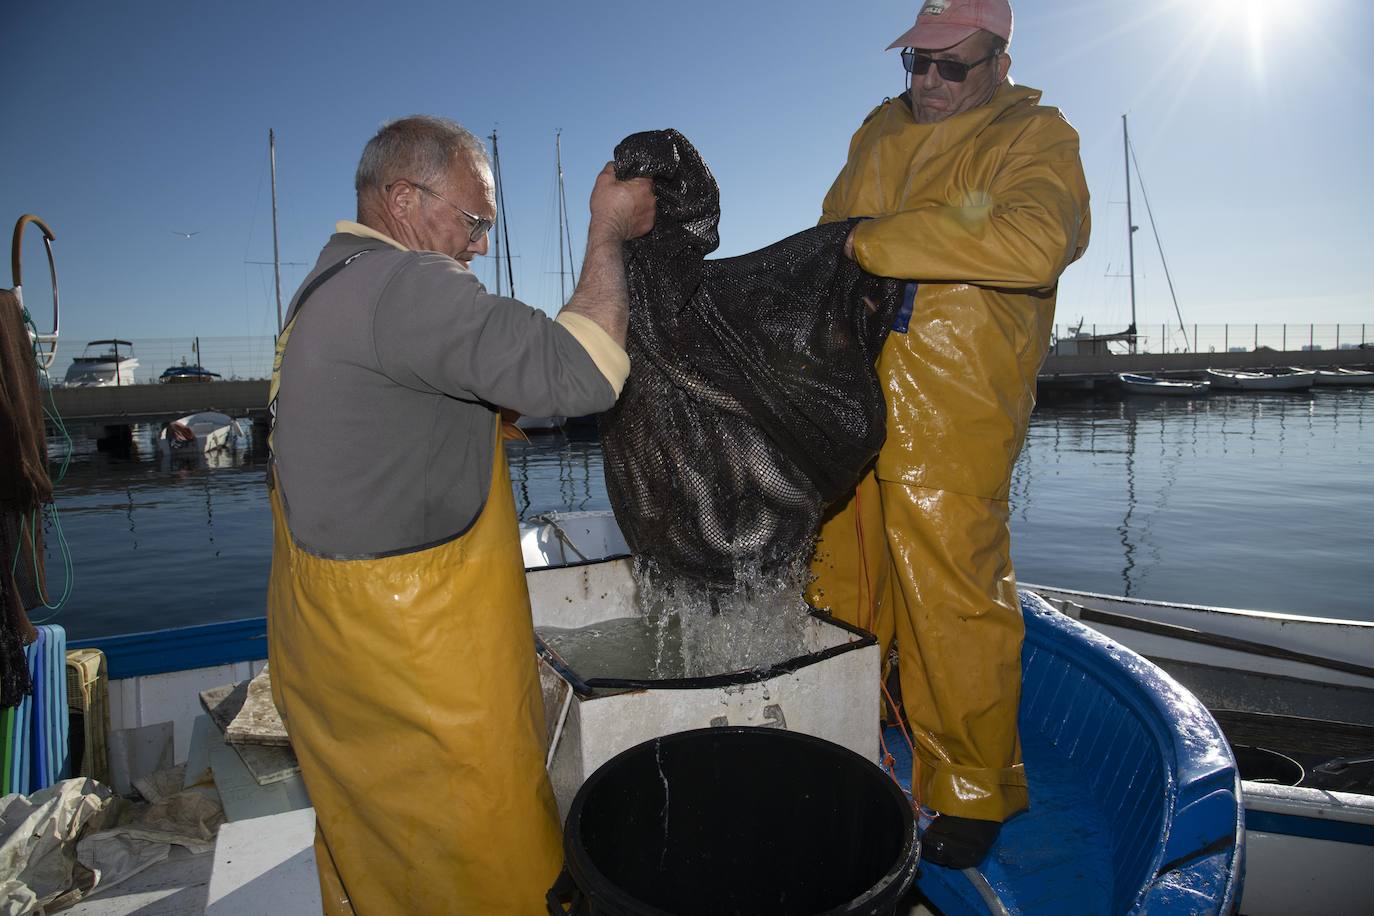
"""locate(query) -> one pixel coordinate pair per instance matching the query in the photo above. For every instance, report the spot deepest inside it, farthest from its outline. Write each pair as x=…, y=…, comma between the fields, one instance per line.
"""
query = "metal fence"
x=230, y=357
x=1232, y=338
x=251, y=357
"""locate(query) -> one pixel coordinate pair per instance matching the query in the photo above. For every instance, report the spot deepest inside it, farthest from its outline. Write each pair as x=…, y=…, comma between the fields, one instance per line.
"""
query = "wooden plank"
x=258, y=721
x=224, y=703
x=268, y=764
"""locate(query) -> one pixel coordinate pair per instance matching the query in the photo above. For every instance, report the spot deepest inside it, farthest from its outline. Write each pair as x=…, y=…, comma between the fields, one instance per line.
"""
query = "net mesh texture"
x=753, y=399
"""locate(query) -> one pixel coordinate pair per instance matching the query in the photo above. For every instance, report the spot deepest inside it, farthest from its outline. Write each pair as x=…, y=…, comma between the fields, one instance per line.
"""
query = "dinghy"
x=1273, y=380
x=1175, y=388
x=1295, y=696
x=1134, y=792
x=1344, y=378
x=202, y=433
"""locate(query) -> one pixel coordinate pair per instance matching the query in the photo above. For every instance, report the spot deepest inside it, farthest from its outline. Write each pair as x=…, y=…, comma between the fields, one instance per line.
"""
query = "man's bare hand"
x=849, y=244
x=621, y=210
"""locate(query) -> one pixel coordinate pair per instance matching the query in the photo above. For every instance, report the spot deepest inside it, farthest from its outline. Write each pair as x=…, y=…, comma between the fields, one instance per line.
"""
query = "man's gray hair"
x=420, y=147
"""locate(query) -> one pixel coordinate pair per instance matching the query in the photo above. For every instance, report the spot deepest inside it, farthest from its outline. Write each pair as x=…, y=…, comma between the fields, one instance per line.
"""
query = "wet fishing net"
x=752, y=400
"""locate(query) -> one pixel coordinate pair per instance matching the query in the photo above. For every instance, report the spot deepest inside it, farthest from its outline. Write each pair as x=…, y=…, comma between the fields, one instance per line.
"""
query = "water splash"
x=758, y=622
x=685, y=630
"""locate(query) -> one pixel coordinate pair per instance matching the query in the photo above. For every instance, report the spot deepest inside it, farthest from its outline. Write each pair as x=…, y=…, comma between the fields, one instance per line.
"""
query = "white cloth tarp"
x=61, y=844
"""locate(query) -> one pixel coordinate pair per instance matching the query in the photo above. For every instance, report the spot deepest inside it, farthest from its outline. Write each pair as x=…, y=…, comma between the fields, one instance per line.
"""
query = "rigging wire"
x=1160, y=245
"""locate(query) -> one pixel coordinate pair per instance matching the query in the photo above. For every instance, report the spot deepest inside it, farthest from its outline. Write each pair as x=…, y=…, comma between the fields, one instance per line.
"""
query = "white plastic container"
x=831, y=692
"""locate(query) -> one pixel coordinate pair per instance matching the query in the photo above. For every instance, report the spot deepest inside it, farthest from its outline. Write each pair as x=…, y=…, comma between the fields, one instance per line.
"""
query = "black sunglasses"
x=951, y=71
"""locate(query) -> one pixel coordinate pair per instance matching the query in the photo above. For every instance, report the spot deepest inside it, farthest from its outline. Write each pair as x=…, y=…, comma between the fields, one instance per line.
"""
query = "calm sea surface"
x=1261, y=501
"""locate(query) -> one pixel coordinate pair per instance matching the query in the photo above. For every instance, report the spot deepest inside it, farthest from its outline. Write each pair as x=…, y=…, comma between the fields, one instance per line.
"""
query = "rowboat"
x=1272, y=380
x=204, y=433
x=1295, y=696
x=1344, y=377
x=1149, y=385
x=1129, y=774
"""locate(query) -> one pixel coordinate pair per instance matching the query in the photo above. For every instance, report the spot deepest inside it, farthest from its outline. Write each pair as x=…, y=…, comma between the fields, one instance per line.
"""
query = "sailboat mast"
x=562, y=215
x=276, y=250
x=496, y=236
x=503, y=225
x=565, y=234
x=1130, y=225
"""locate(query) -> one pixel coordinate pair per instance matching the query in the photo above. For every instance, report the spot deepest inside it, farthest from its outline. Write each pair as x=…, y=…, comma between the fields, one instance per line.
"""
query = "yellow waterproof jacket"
x=985, y=210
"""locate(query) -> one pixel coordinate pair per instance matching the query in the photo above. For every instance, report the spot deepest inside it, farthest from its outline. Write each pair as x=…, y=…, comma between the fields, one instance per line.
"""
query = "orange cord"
x=865, y=611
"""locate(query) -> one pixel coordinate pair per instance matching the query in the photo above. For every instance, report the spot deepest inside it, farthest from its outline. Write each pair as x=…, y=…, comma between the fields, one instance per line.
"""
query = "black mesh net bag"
x=752, y=399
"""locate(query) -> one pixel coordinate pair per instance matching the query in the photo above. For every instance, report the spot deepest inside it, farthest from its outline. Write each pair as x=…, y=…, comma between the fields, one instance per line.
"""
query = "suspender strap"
x=321, y=280
x=285, y=335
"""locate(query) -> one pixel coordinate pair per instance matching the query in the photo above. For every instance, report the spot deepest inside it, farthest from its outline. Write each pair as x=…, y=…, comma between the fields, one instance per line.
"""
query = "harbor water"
x=1245, y=500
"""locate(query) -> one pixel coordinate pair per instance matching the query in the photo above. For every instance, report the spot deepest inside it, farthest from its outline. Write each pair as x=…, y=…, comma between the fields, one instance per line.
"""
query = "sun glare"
x=1250, y=19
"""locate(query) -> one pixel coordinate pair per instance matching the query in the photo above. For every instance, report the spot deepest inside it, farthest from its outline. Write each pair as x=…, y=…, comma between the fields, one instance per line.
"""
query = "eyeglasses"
x=480, y=224
x=951, y=71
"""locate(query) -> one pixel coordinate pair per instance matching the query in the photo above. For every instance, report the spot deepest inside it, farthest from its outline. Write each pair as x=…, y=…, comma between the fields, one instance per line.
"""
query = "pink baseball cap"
x=945, y=23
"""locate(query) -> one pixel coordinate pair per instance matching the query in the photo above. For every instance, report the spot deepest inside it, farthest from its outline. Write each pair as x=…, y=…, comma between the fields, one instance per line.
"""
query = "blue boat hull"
x=1135, y=796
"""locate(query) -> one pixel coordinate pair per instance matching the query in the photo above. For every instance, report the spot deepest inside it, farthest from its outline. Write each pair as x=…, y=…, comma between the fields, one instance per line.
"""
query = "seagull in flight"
x=185, y=234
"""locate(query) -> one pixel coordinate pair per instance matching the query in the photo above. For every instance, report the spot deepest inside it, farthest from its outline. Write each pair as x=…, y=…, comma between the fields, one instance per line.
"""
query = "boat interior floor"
x=1327, y=728
x=1027, y=870
x=1335, y=756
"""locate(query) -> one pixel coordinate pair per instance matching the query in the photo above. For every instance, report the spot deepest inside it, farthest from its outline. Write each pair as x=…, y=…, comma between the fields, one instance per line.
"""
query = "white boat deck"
x=176, y=886
x=263, y=865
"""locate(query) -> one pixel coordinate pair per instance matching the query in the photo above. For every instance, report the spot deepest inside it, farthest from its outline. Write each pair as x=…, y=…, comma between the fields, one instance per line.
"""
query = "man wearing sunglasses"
x=399, y=628
x=975, y=195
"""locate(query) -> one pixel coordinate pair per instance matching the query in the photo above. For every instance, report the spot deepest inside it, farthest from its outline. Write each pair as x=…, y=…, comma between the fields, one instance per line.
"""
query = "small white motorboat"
x=102, y=365
x=1279, y=379
x=203, y=433
x=1344, y=377
x=1163, y=387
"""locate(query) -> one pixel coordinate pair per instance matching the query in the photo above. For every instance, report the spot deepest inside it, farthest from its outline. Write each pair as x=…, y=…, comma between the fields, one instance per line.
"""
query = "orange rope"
x=882, y=681
x=863, y=614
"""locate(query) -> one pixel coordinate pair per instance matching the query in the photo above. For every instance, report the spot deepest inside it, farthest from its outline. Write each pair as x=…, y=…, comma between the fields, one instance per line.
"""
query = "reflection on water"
x=1244, y=500
x=556, y=474
x=158, y=540
x=1252, y=500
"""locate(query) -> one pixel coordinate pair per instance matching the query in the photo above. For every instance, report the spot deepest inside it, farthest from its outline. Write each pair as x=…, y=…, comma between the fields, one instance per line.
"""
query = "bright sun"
x=1248, y=18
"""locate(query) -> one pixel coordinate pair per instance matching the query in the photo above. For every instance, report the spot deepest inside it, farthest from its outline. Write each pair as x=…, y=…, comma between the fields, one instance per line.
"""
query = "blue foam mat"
x=35, y=732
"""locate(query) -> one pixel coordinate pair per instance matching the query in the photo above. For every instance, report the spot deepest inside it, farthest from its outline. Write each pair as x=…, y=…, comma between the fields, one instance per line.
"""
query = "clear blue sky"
x=127, y=122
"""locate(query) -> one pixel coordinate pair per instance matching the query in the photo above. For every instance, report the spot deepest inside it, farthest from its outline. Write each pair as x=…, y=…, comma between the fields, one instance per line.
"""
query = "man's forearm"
x=601, y=293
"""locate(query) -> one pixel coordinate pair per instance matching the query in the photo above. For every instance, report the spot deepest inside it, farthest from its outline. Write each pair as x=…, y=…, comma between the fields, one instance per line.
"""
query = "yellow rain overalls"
x=984, y=210
x=409, y=689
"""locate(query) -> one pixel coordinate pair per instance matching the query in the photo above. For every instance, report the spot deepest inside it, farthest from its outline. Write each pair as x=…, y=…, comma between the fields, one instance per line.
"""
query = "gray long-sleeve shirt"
x=386, y=408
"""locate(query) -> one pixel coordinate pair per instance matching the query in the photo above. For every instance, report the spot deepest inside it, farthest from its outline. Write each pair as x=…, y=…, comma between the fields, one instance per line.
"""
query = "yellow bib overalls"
x=409, y=688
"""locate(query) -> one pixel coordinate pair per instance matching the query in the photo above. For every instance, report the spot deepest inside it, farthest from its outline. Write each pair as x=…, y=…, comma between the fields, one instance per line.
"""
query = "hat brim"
x=933, y=36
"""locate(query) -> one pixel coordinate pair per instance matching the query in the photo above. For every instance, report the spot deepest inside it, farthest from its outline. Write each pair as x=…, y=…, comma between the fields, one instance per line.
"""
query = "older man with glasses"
x=975, y=195
x=399, y=628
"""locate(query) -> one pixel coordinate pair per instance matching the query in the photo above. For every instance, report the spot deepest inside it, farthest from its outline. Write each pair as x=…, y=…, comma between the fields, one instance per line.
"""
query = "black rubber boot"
x=958, y=842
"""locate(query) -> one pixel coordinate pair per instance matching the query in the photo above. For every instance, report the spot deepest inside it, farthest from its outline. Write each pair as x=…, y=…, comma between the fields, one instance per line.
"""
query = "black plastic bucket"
x=754, y=821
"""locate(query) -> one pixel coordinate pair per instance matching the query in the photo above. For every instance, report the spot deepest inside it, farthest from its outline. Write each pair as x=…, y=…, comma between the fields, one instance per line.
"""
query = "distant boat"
x=177, y=375
x=102, y=369
x=187, y=373
x=1147, y=384
x=202, y=433
x=540, y=425
x=1273, y=380
x=1334, y=377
